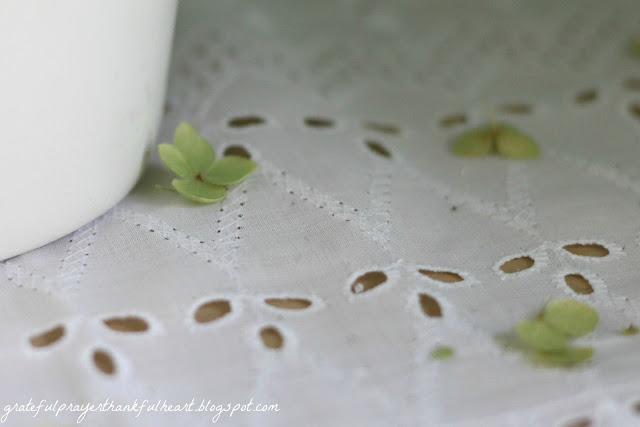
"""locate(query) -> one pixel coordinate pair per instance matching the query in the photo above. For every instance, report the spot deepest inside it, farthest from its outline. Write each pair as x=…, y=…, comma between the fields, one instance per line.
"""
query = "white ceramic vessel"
x=82, y=85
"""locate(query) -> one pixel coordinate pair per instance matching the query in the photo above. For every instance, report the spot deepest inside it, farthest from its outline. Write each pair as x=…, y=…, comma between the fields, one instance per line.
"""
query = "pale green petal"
x=229, y=170
x=475, y=142
x=540, y=336
x=566, y=357
x=571, y=317
x=195, y=149
x=442, y=352
x=514, y=144
x=197, y=191
x=175, y=161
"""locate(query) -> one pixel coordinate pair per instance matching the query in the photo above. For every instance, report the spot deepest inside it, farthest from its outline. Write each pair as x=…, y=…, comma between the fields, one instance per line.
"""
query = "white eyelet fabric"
x=323, y=282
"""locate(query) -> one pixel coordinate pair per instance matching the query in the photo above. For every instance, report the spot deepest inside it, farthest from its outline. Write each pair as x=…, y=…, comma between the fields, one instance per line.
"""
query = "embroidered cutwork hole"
x=368, y=281
x=516, y=108
x=237, y=150
x=430, y=306
x=453, y=120
x=48, y=337
x=245, y=121
x=271, y=337
x=579, y=422
x=127, y=324
x=386, y=128
x=632, y=83
x=578, y=284
x=289, y=303
x=586, y=96
x=212, y=310
x=517, y=264
x=587, y=249
x=442, y=276
x=318, y=122
x=634, y=109
x=378, y=148
x=104, y=362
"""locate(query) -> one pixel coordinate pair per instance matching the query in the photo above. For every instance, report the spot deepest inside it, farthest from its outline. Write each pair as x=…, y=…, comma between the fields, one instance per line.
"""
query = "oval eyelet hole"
x=368, y=281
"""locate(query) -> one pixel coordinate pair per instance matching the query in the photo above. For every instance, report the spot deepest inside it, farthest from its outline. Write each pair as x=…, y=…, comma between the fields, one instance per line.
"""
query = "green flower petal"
x=442, y=352
x=566, y=357
x=197, y=191
x=571, y=317
x=540, y=336
x=229, y=170
x=474, y=142
x=514, y=144
x=195, y=149
x=175, y=161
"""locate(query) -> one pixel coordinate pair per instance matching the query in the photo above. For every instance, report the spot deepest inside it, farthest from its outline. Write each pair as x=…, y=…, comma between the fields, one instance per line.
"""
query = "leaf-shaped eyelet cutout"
x=516, y=265
x=48, y=337
x=632, y=83
x=453, y=120
x=579, y=422
x=586, y=96
x=271, y=337
x=104, y=362
x=515, y=108
x=430, y=306
x=212, y=310
x=368, y=281
x=238, y=151
x=385, y=128
x=378, y=148
x=587, y=249
x=245, y=121
x=442, y=276
x=127, y=324
x=318, y=122
x=634, y=109
x=288, y=303
x=578, y=284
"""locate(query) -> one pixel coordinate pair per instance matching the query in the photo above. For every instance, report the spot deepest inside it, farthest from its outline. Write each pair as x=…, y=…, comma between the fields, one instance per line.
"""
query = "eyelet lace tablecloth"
x=349, y=107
